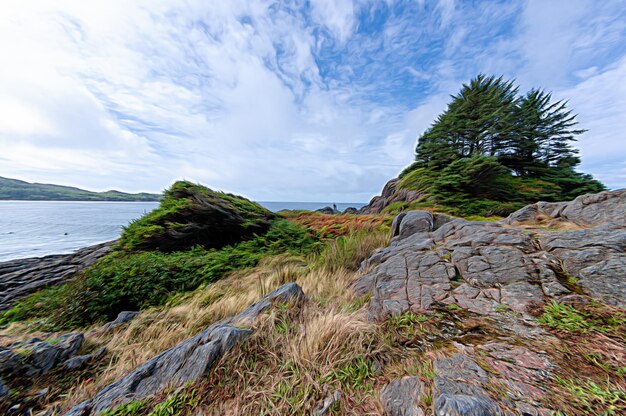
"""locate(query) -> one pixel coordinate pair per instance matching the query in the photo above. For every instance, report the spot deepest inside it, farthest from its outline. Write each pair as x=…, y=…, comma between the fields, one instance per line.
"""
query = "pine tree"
x=480, y=119
x=542, y=136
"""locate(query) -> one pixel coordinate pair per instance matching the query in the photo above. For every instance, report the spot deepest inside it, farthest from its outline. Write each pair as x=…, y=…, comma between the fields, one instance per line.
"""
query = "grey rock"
x=187, y=361
x=327, y=210
x=416, y=222
x=402, y=397
x=19, y=278
x=34, y=357
x=350, y=210
x=122, y=318
x=591, y=210
x=458, y=388
x=480, y=265
x=4, y=390
x=328, y=403
x=390, y=194
x=78, y=362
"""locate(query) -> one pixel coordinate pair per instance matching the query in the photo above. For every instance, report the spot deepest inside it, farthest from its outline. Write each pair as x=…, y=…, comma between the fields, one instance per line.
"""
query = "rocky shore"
x=19, y=278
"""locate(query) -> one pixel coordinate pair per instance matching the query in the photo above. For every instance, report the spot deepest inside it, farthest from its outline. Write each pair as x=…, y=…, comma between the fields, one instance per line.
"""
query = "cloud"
x=280, y=101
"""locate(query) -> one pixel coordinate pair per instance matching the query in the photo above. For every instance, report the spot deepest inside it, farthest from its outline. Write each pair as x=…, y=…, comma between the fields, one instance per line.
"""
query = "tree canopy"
x=490, y=139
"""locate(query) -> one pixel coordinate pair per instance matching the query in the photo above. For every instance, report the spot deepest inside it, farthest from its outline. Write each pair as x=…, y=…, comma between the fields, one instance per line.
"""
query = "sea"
x=40, y=228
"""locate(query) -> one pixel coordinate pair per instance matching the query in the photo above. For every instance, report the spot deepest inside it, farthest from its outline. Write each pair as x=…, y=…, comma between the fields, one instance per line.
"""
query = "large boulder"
x=586, y=210
x=187, y=361
x=484, y=266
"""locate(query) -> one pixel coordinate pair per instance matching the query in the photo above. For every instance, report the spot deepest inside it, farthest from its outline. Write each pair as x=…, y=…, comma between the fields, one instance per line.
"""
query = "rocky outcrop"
x=35, y=357
x=587, y=210
x=187, y=361
x=19, y=278
x=390, y=194
x=489, y=277
x=482, y=266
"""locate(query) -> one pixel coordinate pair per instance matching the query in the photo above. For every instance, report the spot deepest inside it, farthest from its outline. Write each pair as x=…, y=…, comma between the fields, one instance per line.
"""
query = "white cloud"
x=104, y=94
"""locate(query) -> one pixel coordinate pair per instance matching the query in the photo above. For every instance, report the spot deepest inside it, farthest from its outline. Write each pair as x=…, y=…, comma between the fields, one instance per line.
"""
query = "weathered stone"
x=481, y=265
x=187, y=361
x=458, y=388
x=19, y=278
x=34, y=357
x=590, y=210
x=329, y=403
x=415, y=222
x=402, y=397
x=122, y=318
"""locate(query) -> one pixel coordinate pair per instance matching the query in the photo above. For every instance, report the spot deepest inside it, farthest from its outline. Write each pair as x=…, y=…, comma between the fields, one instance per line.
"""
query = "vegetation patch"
x=132, y=281
x=192, y=215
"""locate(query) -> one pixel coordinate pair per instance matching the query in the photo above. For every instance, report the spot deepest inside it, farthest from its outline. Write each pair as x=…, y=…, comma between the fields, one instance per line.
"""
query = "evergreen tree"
x=480, y=119
x=542, y=136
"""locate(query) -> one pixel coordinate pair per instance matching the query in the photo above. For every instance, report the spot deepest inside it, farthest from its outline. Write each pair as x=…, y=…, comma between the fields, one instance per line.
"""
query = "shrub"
x=191, y=215
x=131, y=281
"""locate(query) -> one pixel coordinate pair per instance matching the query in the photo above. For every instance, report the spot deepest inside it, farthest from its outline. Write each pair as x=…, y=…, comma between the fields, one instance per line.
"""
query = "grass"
x=600, y=399
x=133, y=281
x=563, y=317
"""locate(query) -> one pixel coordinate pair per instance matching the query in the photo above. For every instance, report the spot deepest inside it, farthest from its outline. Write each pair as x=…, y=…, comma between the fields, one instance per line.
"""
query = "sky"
x=284, y=101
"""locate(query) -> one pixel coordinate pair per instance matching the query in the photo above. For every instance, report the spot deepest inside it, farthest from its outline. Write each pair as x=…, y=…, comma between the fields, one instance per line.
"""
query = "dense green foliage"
x=13, y=189
x=493, y=151
x=190, y=215
x=132, y=281
x=193, y=238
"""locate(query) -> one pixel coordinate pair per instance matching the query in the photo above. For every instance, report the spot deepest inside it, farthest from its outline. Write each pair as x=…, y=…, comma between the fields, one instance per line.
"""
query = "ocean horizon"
x=41, y=228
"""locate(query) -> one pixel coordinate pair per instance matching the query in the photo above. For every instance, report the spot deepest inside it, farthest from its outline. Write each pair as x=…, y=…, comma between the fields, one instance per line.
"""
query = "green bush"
x=190, y=215
x=132, y=281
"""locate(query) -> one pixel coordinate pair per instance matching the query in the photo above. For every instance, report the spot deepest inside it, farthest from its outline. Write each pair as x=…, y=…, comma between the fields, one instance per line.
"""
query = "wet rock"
x=19, y=278
x=402, y=397
x=187, y=361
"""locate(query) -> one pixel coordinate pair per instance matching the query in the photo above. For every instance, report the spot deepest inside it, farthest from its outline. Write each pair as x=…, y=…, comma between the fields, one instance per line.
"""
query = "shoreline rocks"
x=21, y=277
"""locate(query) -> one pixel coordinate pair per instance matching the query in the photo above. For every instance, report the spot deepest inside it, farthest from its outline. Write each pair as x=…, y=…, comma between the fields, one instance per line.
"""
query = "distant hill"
x=14, y=189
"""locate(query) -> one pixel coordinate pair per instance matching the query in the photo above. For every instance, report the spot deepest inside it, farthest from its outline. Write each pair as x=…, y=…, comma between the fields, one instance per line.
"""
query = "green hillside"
x=13, y=189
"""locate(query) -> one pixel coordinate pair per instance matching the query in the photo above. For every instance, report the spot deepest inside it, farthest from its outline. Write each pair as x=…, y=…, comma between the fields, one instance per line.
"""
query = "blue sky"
x=301, y=101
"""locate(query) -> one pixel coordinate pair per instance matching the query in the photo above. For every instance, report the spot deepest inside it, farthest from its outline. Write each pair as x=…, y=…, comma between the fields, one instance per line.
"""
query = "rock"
x=327, y=210
x=19, y=278
x=458, y=388
x=415, y=222
x=76, y=363
x=402, y=397
x=481, y=265
x=587, y=210
x=328, y=404
x=350, y=210
x=187, y=361
x=122, y=318
x=34, y=357
x=4, y=390
x=390, y=194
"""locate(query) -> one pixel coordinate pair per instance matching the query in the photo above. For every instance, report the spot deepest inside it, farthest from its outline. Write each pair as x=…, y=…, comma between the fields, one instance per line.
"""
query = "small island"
x=14, y=189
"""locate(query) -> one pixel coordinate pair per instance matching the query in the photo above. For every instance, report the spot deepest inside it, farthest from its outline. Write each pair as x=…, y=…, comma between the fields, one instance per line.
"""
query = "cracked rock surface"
x=493, y=276
x=482, y=266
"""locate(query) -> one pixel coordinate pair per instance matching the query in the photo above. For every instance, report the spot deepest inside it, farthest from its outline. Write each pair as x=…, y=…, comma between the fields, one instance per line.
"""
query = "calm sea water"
x=39, y=228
